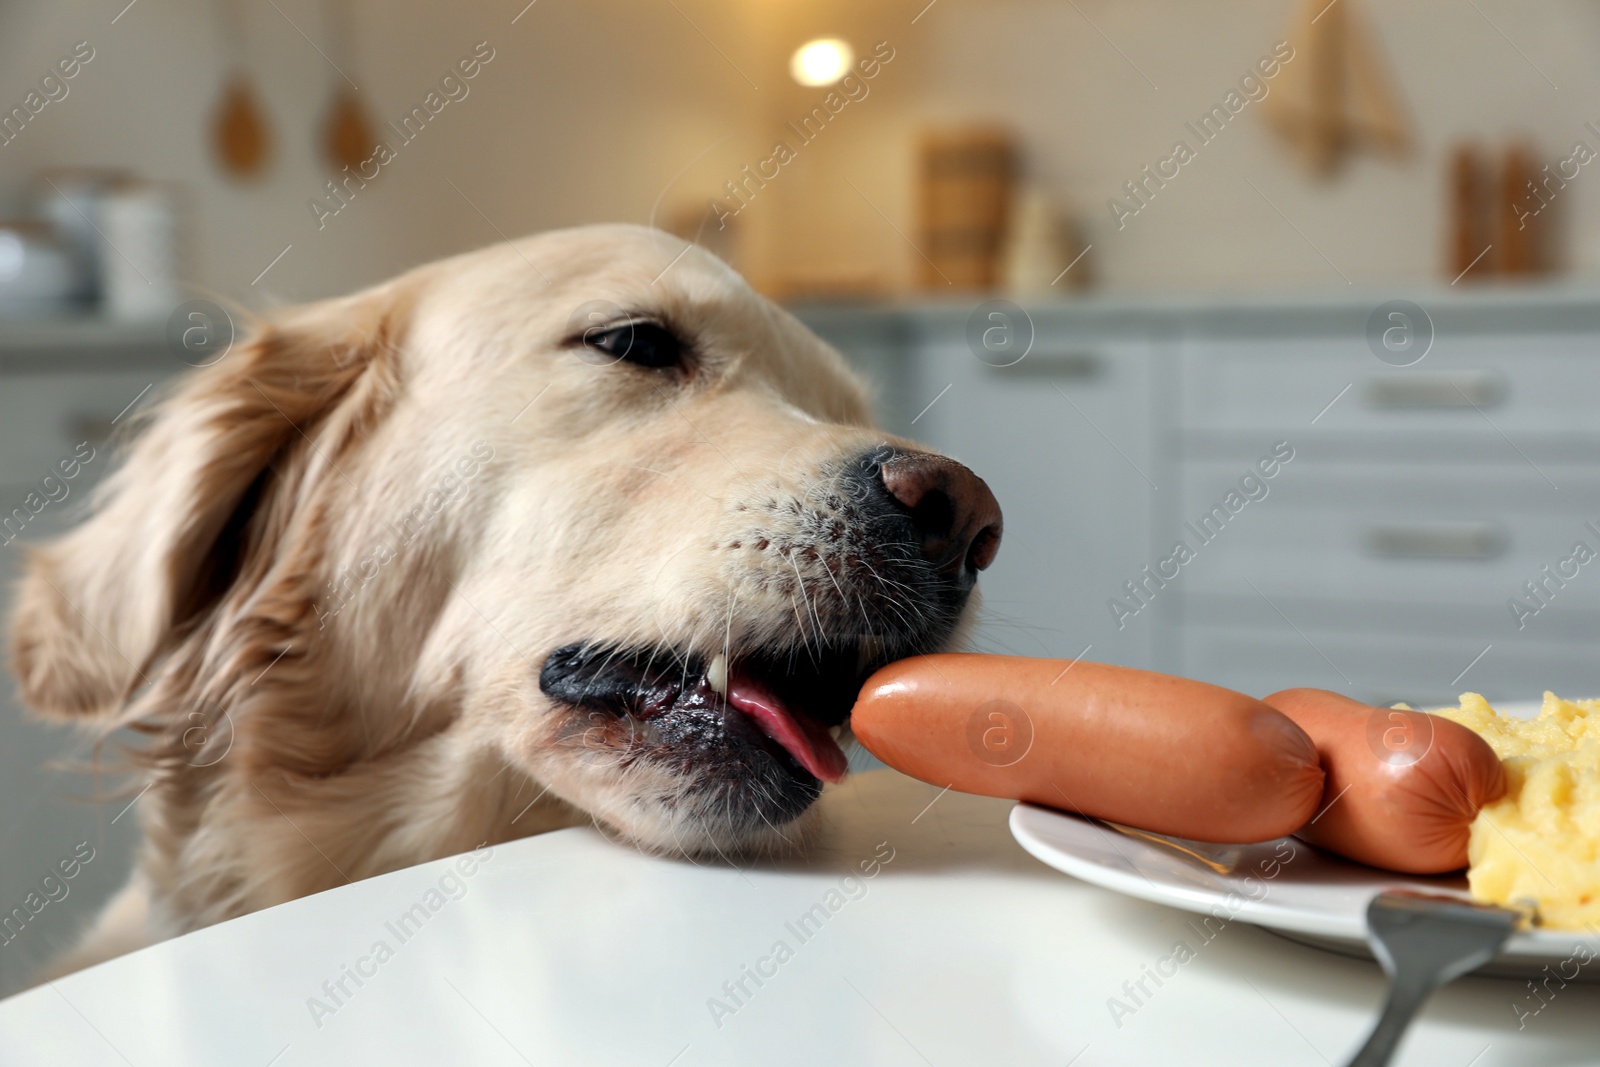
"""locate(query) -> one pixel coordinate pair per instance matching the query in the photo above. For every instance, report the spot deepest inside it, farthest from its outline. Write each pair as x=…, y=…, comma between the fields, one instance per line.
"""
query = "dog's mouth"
x=730, y=747
x=709, y=715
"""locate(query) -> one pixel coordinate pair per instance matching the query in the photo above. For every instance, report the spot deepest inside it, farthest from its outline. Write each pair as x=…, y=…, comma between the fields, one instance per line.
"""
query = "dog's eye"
x=643, y=343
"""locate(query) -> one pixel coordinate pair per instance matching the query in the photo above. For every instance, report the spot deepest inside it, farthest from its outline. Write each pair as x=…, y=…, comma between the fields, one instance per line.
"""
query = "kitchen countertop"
x=915, y=931
x=1571, y=304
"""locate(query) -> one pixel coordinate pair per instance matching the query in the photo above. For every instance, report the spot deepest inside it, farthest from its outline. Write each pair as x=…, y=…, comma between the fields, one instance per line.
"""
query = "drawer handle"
x=1075, y=365
x=1466, y=540
x=1464, y=389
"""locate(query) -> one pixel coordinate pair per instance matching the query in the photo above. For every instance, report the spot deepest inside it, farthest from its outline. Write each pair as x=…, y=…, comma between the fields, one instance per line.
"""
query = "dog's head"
x=583, y=505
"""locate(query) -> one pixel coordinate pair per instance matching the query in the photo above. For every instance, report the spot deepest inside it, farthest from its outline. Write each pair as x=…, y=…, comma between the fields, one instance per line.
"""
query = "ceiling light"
x=821, y=62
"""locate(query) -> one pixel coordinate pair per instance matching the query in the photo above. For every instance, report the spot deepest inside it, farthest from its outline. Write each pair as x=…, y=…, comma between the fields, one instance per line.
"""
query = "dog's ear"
x=173, y=526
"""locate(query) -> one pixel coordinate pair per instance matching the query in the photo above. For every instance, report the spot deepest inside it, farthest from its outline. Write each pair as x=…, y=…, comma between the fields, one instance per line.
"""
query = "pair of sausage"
x=1396, y=789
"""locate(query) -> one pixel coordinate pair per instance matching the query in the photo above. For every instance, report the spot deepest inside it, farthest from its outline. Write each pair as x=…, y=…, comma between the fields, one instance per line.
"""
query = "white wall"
x=585, y=113
x=1090, y=121
x=589, y=110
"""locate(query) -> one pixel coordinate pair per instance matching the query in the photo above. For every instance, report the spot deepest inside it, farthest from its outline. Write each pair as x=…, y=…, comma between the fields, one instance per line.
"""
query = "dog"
x=572, y=529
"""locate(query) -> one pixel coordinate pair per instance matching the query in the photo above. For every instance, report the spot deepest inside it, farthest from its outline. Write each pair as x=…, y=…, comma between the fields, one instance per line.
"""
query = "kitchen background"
x=1345, y=277
x=591, y=111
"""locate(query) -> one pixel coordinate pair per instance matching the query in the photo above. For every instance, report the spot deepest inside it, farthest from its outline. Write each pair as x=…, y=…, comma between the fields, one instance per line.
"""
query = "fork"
x=1425, y=941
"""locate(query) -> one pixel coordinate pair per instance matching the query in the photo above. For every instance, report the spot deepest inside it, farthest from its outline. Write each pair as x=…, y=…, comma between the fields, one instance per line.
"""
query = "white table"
x=570, y=949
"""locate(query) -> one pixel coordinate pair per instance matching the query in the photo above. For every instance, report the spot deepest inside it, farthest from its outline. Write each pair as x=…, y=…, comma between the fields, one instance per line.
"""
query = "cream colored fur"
x=317, y=714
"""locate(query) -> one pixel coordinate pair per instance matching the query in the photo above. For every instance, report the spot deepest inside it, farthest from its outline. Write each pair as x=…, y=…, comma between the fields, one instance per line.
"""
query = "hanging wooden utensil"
x=239, y=132
x=347, y=135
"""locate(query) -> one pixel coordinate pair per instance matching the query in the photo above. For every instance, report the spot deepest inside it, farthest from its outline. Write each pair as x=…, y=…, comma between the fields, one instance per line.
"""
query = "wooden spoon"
x=348, y=137
x=347, y=134
x=239, y=131
x=240, y=134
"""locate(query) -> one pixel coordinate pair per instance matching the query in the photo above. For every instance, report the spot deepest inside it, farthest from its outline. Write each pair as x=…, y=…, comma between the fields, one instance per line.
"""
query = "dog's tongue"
x=806, y=739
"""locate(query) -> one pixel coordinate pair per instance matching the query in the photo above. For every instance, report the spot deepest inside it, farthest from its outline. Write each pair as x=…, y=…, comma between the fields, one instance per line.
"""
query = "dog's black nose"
x=954, y=516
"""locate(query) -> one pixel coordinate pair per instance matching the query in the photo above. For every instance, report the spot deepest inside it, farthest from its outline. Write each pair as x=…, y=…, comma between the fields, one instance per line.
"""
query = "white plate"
x=1285, y=886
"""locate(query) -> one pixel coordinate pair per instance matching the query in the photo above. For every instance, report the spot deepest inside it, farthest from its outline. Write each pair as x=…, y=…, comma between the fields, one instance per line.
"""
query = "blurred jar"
x=70, y=197
x=139, y=271
x=39, y=272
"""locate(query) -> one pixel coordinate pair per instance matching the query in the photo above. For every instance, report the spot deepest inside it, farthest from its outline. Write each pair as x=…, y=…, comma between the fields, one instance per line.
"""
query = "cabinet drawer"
x=43, y=418
x=1063, y=438
x=1531, y=389
x=1462, y=535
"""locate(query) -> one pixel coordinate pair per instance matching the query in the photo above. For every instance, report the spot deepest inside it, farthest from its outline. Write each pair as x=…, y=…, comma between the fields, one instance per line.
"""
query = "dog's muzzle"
x=894, y=560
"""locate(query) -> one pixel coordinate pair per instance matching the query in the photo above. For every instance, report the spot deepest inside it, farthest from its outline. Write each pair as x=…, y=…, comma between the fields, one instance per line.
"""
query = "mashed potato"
x=1541, y=841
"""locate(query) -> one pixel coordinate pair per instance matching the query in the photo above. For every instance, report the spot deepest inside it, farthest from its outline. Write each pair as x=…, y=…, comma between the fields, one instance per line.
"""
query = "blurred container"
x=140, y=261
x=39, y=272
x=70, y=197
x=965, y=185
x=1471, y=197
x=1524, y=244
x=1041, y=243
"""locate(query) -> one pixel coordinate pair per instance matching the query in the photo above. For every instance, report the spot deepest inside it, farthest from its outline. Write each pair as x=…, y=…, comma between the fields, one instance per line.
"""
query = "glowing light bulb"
x=821, y=62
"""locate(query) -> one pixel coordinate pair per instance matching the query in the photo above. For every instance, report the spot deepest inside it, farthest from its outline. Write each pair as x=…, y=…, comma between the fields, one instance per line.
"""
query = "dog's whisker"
x=800, y=583
x=727, y=630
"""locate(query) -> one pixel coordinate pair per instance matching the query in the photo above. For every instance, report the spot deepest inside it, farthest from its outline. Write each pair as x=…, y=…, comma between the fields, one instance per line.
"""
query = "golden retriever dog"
x=573, y=528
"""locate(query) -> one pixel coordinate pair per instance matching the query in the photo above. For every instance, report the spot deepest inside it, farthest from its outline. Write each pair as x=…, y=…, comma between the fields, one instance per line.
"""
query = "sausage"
x=1402, y=786
x=1149, y=750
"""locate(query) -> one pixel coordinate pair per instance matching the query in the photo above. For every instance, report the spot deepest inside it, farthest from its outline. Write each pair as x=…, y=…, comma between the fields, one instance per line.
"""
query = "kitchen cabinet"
x=1381, y=560
x=61, y=388
x=1064, y=437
